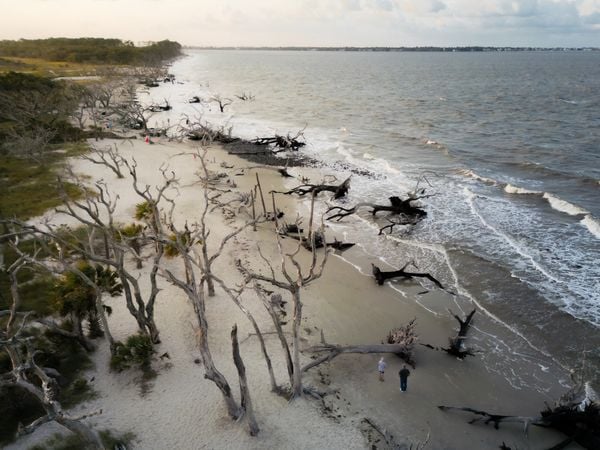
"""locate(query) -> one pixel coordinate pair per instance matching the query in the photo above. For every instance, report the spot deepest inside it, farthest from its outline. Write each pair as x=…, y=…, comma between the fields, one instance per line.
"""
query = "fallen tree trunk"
x=333, y=351
x=396, y=206
x=381, y=276
x=577, y=415
x=339, y=191
x=319, y=242
x=282, y=142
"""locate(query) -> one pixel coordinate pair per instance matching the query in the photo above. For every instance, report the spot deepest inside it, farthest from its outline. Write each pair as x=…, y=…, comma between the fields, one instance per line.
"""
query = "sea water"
x=506, y=143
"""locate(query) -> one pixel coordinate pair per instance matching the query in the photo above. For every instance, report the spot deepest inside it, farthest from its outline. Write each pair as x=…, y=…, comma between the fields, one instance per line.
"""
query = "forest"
x=91, y=50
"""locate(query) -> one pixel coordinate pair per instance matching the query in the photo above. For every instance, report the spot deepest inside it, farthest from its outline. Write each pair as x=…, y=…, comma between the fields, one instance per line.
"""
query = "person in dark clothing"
x=404, y=373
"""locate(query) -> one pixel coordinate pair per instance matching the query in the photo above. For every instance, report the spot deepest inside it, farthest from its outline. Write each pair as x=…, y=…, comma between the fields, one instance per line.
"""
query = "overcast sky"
x=546, y=23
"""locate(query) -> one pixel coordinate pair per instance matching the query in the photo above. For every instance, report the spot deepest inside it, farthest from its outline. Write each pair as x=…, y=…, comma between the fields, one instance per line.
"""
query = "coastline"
x=180, y=409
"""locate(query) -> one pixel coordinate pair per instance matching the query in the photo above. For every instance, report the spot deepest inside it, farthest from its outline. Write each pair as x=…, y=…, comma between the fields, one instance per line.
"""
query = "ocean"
x=506, y=143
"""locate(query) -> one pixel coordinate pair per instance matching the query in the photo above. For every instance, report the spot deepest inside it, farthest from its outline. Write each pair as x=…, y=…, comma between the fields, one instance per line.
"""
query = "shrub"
x=137, y=351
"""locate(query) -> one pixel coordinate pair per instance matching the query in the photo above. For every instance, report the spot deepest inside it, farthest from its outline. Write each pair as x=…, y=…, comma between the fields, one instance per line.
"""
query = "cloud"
x=312, y=22
x=437, y=6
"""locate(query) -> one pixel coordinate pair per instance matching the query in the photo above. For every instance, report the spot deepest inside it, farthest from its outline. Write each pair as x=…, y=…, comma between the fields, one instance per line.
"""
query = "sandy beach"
x=179, y=409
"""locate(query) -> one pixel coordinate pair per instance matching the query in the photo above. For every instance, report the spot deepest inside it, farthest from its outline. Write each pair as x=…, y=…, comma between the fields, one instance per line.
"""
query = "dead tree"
x=108, y=157
x=25, y=374
x=246, y=401
x=457, y=347
x=292, y=283
x=576, y=414
x=381, y=276
x=318, y=241
x=399, y=221
x=198, y=274
x=397, y=206
x=95, y=212
x=339, y=190
x=245, y=97
x=399, y=341
x=131, y=113
x=204, y=133
x=235, y=297
x=283, y=143
x=222, y=102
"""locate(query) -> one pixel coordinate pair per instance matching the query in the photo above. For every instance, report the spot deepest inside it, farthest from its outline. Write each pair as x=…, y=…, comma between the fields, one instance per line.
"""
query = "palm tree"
x=76, y=299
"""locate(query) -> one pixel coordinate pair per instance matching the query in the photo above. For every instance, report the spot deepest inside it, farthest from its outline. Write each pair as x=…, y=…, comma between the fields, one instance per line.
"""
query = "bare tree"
x=294, y=279
x=198, y=274
x=107, y=157
x=222, y=102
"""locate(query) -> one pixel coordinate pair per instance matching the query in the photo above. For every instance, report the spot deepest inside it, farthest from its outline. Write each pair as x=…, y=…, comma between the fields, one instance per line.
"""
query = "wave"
x=469, y=173
x=592, y=224
x=510, y=189
x=570, y=102
x=564, y=206
x=555, y=202
x=470, y=197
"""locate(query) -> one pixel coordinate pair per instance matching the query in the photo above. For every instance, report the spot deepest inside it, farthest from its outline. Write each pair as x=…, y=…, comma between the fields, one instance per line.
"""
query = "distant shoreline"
x=404, y=49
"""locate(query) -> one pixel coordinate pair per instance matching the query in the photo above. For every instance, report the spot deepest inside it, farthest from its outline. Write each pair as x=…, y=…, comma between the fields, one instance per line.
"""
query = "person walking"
x=404, y=373
x=381, y=365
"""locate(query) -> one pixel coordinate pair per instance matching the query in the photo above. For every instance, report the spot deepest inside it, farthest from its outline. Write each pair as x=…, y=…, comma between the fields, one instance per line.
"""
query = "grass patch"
x=45, y=68
x=29, y=188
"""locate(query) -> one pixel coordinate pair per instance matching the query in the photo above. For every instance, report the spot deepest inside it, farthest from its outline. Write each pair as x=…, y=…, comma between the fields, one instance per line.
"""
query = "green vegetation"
x=75, y=299
x=91, y=50
x=137, y=351
x=143, y=211
x=30, y=188
x=36, y=113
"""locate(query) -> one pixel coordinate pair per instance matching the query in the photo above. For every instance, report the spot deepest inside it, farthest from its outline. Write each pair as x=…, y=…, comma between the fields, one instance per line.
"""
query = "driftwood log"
x=576, y=414
x=339, y=190
x=456, y=345
x=283, y=143
x=396, y=206
x=381, y=276
x=400, y=341
x=319, y=240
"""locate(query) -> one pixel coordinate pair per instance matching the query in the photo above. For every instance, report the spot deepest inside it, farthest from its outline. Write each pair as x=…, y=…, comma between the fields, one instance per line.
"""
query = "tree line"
x=91, y=50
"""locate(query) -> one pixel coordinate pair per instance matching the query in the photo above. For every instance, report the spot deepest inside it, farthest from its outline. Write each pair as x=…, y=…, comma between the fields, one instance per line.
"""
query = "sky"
x=538, y=23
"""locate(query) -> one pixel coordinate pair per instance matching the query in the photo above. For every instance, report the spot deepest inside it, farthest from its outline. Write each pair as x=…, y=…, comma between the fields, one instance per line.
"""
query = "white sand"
x=182, y=410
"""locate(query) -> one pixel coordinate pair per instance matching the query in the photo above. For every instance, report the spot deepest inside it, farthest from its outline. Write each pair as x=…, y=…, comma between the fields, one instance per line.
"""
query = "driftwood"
x=576, y=414
x=204, y=133
x=332, y=350
x=160, y=108
x=380, y=276
x=456, y=345
x=319, y=240
x=396, y=206
x=282, y=142
x=339, y=191
x=400, y=342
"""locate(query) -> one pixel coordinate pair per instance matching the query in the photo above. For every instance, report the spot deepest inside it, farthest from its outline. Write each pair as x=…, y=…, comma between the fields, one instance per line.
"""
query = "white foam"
x=471, y=174
x=510, y=189
x=564, y=206
x=514, y=244
x=591, y=224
